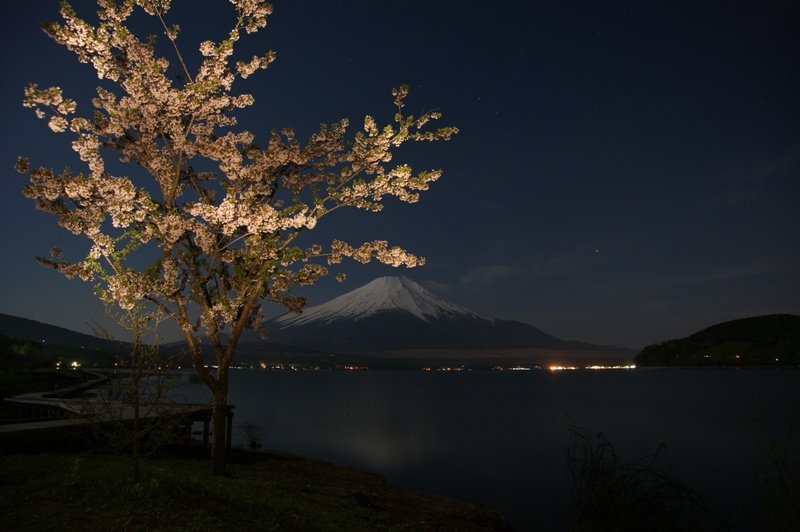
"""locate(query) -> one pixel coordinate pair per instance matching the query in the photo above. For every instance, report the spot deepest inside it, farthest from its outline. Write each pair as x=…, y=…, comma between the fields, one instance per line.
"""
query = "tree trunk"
x=137, y=477
x=219, y=426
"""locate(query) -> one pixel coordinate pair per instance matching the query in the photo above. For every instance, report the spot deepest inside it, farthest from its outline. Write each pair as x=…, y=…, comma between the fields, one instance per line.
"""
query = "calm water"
x=498, y=438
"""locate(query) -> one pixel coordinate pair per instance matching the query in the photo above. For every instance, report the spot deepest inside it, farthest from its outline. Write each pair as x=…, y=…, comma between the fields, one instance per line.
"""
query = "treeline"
x=21, y=355
x=760, y=341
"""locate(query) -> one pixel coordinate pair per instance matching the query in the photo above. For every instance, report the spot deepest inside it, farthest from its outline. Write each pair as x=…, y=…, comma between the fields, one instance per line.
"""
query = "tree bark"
x=219, y=426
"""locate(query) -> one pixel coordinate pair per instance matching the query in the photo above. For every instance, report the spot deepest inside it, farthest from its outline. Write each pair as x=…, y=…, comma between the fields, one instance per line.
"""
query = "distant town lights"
x=562, y=368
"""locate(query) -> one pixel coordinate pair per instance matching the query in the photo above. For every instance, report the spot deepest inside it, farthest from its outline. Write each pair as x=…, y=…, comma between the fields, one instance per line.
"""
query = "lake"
x=499, y=438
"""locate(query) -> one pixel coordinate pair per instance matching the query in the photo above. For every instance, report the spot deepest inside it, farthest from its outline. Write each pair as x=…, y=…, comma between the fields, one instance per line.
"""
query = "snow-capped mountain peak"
x=382, y=294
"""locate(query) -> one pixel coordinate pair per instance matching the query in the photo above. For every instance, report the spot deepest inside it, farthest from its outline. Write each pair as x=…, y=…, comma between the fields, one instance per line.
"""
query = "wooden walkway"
x=49, y=417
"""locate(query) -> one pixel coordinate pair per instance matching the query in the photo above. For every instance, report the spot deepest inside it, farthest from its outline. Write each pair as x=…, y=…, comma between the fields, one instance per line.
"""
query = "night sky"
x=625, y=172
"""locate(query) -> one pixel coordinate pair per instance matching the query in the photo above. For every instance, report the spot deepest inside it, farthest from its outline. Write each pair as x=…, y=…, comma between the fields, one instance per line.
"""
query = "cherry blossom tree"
x=216, y=216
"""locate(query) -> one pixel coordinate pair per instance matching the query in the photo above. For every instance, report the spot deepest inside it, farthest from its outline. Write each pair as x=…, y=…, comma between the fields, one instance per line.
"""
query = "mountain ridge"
x=389, y=323
x=395, y=314
x=770, y=340
x=36, y=331
x=382, y=294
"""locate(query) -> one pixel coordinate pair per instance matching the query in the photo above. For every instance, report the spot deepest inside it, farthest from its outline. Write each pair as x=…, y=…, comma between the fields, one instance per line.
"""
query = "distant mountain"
x=772, y=340
x=55, y=342
x=381, y=295
x=59, y=342
x=391, y=322
x=31, y=330
x=395, y=313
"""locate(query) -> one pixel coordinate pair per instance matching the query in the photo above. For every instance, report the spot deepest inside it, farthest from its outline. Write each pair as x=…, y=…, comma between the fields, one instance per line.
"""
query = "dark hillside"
x=57, y=343
x=760, y=341
x=31, y=330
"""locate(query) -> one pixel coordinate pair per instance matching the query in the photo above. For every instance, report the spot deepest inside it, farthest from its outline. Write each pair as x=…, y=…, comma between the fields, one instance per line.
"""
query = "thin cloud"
x=436, y=287
x=773, y=168
x=745, y=270
x=748, y=187
x=483, y=275
x=529, y=268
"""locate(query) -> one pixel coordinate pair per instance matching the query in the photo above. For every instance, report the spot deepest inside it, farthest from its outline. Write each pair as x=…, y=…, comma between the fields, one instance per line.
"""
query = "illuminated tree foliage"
x=223, y=212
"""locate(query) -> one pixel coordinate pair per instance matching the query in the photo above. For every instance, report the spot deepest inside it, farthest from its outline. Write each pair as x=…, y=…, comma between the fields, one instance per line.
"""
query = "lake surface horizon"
x=498, y=438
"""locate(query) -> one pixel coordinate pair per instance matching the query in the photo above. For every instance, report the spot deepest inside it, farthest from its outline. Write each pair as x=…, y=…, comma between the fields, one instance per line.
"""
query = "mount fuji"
x=395, y=314
x=385, y=294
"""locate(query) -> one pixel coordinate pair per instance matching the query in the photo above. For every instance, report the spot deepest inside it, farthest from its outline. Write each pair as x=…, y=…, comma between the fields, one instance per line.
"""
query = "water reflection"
x=498, y=438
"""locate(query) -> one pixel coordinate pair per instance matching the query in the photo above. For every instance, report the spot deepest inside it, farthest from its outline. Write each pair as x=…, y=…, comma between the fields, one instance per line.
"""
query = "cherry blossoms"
x=222, y=213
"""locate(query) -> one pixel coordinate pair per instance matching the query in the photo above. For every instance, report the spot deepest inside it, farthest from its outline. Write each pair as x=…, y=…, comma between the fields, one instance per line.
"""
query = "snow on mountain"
x=382, y=294
x=395, y=313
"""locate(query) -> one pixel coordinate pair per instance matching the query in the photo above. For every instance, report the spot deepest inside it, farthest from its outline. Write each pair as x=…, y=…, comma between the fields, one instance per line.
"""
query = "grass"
x=264, y=491
x=54, y=490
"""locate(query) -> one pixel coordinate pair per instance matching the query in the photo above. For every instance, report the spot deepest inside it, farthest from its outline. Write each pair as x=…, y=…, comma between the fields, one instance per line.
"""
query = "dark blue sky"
x=626, y=172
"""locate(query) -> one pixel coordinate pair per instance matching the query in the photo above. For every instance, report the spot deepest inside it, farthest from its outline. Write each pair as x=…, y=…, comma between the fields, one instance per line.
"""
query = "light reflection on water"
x=498, y=438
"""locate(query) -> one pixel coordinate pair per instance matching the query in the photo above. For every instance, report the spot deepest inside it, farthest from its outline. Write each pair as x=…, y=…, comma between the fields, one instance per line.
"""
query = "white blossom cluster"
x=226, y=237
x=378, y=249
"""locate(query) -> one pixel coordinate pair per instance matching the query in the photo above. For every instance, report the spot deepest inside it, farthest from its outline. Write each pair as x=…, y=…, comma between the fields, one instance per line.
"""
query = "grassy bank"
x=55, y=490
x=265, y=491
